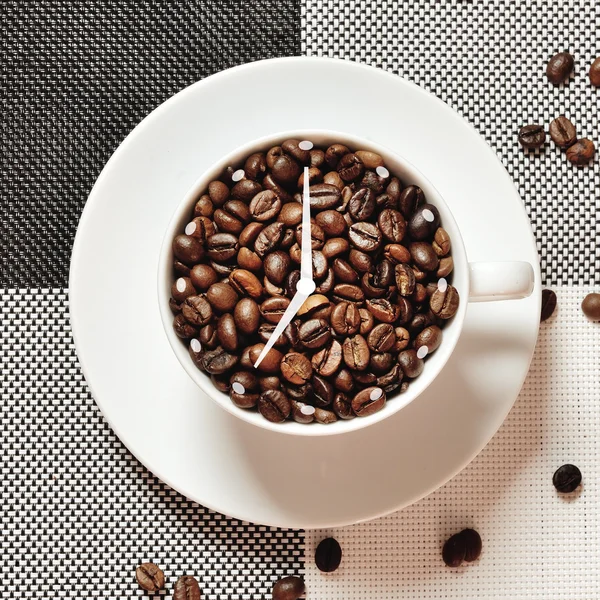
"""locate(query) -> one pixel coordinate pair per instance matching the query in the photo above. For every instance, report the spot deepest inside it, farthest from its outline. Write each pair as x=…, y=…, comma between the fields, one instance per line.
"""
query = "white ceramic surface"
x=184, y=437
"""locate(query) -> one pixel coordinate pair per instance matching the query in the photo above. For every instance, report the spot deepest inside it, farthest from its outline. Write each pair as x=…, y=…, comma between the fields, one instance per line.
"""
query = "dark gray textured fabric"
x=76, y=77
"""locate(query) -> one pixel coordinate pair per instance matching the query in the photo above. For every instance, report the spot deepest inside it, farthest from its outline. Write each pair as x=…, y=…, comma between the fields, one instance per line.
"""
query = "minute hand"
x=286, y=318
x=306, y=266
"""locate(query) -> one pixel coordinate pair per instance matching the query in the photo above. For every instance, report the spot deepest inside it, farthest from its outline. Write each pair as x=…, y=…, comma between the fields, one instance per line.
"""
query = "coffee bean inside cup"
x=379, y=251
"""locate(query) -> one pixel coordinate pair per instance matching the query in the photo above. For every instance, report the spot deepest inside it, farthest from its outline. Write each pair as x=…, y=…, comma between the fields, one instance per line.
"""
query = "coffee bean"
x=567, y=479
x=150, y=577
x=322, y=391
x=265, y=331
x=445, y=267
x=441, y=242
x=391, y=380
x=334, y=153
x=290, y=283
x=347, y=292
x=204, y=207
x=402, y=338
x=317, y=158
x=327, y=361
x=335, y=247
x=222, y=270
x=418, y=323
x=368, y=401
x=296, y=254
x=473, y=544
x=317, y=236
x=247, y=259
x=350, y=167
x=410, y=363
x=244, y=388
x=174, y=306
x=245, y=283
x=362, y=204
x=381, y=362
x=581, y=152
x=315, y=333
x=328, y=555
x=245, y=190
x=222, y=246
x=559, y=67
x=532, y=136
x=410, y=200
x=374, y=183
x=203, y=276
x=301, y=412
x=227, y=332
x=265, y=206
x=343, y=271
x=392, y=224
x=371, y=286
x=393, y=191
x=548, y=304
x=181, y=269
x=285, y=170
x=342, y=406
x=345, y=318
x=246, y=316
x=563, y=132
x=331, y=222
x=591, y=306
x=396, y=253
x=272, y=155
x=343, y=381
x=324, y=196
x=383, y=310
x=208, y=337
x=319, y=264
x=365, y=236
x=268, y=239
x=314, y=176
x=288, y=239
x=186, y=588
x=296, y=368
x=424, y=222
x=430, y=337
x=270, y=363
x=197, y=310
x=300, y=393
x=288, y=588
x=444, y=304
x=424, y=256
x=277, y=265
x=201, y=228
x=255, y=166
x=269, y=183
x=333, y=178
x=454, y=551
x=356, y=352
x=364, y=378
x=182, y=288
x=594, y=72
x=290, y=214
x=272, y=309
x=187, y=249
x=405, y=279
x=268, y=382
x=218, y=361
x=292, y=148
x=221, y=383
x=381, y=338
x=325, y=416
x=232, y=218
x=222, y=297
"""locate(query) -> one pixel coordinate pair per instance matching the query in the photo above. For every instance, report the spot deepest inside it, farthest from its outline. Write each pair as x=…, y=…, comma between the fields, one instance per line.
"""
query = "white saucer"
x=183, y=436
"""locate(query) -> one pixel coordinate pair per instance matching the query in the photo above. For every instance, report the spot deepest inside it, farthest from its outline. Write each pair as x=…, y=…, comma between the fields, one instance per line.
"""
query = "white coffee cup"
x=475, y=282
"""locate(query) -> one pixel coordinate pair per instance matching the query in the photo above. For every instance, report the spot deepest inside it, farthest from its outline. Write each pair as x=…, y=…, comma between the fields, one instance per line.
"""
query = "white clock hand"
x=305, y=289
x=306, y=266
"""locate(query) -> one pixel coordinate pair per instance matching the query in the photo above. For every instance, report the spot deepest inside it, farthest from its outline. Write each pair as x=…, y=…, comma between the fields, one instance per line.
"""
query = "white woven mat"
x=536, y=543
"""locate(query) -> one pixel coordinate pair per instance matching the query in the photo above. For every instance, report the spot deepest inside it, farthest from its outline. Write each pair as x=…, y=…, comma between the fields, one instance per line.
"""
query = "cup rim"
x=202, y=380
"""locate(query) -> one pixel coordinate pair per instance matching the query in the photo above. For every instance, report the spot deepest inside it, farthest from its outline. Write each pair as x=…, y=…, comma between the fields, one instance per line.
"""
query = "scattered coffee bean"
x=186, y=588
x=473, y=544
x=563, y=132
x=150, y=577
x=567, y=479
x=595, y=72
x=288, y=588
x=581, y=152
x=378, y=251
x=591, y=306
x=559, y=68
x=532, y=136
x=548, y=304
x=454, y=551
x=328, y=555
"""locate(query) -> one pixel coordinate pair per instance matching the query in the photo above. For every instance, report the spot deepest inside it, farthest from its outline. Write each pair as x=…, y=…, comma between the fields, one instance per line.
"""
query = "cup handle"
x=500, y=281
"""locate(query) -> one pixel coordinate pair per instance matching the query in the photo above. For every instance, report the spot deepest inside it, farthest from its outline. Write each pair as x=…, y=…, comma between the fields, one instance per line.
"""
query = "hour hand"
x=290, y=312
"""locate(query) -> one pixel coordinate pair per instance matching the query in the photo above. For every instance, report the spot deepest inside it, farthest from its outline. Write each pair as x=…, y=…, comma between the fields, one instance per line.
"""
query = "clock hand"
x=305, y=286
x=306, y=266
x=290, y=312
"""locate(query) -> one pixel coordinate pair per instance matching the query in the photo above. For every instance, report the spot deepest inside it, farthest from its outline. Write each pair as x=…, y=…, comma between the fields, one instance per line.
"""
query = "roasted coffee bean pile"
x=382, y=266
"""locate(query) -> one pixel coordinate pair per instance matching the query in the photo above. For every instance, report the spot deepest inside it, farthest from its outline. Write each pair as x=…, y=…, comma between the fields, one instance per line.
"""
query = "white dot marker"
x=305, y=145
x=442, y=285
x=190, y=228
x=238, y=175
x=382, y=172
x=376, y=394
x=195, y=345
x=238, y=388
x=307, y=410
x=180, y=285
x=422, y=352
x=428, y=215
